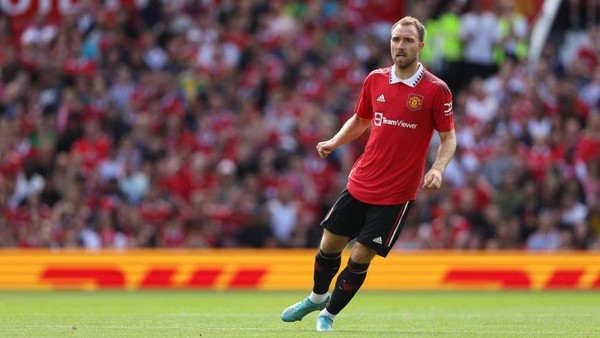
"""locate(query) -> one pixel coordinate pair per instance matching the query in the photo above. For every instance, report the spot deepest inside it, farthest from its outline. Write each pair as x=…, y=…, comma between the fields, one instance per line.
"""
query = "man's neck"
x=407, y=72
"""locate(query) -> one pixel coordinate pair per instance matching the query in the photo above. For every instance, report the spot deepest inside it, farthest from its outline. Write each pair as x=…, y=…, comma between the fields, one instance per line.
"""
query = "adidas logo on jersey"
x=381, y=98
x=378, y=240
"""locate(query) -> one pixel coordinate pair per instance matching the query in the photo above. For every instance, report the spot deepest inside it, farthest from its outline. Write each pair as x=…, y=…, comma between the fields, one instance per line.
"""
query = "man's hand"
x=433, y=179
x=325, y=148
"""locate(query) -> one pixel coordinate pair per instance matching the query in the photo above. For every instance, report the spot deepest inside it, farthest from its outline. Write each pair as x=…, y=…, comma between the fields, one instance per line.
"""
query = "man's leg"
x=382, y=225
x=327, y=264
x=328, y=261
x=348, y=283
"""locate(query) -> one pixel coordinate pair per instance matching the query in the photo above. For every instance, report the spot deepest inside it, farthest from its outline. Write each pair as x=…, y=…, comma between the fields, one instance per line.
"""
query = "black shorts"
x=374, y=226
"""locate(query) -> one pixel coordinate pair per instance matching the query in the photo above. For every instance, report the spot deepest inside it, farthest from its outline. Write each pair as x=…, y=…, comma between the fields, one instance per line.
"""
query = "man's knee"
x=362, y=254
x=332, y=243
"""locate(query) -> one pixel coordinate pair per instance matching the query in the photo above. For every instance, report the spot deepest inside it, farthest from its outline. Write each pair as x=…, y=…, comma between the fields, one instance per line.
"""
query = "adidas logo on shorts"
x=378, y=240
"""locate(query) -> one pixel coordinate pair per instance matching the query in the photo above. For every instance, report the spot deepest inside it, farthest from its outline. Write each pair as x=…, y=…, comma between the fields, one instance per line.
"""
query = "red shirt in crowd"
x=405, y=114
x=92, y=151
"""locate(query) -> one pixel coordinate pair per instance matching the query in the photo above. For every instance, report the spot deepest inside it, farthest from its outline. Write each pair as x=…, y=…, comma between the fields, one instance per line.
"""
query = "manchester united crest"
x=414, y=102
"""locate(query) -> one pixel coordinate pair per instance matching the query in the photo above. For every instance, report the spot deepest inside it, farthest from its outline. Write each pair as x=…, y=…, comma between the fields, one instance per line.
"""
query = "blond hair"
x=412, y=21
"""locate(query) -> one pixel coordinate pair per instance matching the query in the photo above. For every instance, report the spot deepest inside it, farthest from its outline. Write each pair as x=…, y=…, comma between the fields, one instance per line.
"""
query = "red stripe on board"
x=158, y=278
x=564, y=279
x=596, y=284
x=103, y=278
x=509, y=279
x=204, y=278
x=247, y=278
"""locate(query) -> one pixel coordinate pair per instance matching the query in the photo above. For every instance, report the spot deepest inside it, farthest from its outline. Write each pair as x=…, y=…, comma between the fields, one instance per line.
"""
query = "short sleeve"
x=443, y=112
x=364, y=107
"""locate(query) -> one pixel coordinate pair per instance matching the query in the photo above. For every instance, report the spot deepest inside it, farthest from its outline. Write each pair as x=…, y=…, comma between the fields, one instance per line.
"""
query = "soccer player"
x=403, y=104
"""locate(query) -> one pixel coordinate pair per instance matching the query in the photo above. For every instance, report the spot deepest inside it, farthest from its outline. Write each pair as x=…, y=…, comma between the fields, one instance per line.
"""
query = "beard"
x=406, y=62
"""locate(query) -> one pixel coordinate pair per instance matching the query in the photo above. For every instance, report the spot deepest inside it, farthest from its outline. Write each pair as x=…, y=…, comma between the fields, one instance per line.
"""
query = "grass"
x=256, y=314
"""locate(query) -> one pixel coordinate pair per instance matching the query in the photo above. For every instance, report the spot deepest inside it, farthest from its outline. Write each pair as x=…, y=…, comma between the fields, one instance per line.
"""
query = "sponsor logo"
x=447, y=109
x=379, y=119
x=378, y=240
x=414, y=101
x=381, y=98
x=516, y=278
x=156, y=277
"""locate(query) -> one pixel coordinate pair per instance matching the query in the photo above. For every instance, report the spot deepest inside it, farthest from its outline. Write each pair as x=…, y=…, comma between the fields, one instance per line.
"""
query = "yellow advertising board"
x=291, y=270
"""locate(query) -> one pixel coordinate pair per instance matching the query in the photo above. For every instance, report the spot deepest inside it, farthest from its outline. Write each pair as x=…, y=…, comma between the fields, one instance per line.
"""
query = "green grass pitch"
x=256, y=314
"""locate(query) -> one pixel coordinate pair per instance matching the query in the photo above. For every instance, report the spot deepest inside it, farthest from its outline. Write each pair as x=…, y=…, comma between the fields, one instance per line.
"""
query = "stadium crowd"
x=192, y=124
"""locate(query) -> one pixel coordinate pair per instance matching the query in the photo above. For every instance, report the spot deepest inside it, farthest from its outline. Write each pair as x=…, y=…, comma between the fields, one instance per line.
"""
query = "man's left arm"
x=433, y=178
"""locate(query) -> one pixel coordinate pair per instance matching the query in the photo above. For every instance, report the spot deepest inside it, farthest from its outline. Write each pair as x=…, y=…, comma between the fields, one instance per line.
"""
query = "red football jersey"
x=404, y=115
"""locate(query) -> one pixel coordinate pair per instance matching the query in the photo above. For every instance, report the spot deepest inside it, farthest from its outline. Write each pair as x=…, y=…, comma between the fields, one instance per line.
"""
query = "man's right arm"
x=352, y=129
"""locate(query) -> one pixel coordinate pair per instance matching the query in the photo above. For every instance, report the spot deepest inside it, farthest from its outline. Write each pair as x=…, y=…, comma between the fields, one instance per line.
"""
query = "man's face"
x=405, y=46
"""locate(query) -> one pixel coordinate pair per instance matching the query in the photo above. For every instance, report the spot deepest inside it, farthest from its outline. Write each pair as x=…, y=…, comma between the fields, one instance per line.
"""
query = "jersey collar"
x=411, y=81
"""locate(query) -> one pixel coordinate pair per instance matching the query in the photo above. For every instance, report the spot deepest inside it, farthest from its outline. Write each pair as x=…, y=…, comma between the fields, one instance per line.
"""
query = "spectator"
x=481, y=107
x=506, y=235
x=479, y=33
x=29, y=183
x=546, y=237
x=284, y=214
x=134, y=184
x=574, y=218
x=39, y=33
x=590, y=92
x=594, y=221
x=513, y=30
x=447, y=230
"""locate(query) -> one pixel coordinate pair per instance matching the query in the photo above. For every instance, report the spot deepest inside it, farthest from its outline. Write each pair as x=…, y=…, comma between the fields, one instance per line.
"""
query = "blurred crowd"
x=193, y=124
